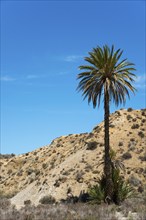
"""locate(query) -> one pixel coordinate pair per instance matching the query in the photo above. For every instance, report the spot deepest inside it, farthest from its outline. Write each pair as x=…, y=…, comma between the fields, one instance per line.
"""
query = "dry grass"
x=77, y=211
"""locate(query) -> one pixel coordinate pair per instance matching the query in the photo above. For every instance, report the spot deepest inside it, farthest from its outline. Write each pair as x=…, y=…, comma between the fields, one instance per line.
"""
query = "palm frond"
x=105, y=68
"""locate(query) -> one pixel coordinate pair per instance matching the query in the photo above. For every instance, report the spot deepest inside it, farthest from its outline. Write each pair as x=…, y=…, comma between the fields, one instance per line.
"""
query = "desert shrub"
x=88, y=167
x=44, y=165
x=9, y=171
x=120, y=143
x=129, y=117
x=97, y=128
x=101, y=144
x=5, y=195
x=143, y=158
x=20, y=172
x=134, y=119
x=91, y=145
x=79, y=176
x=132, y=139
x=135, y=126
x=52, y=164
x=47, y=200
x=143, y=112
x=129, y=109
x=29, y=171
x=126, y=156
x=57, y=183
x=63, y=179
x=134, y=180
x=37, y=172
x=69, y=190
x=27, y=202
x=66, y=173
x=111, y=125
x=132, y=145
x=95, y=172
x=5, y=203
x=140, y=189
x=35, y=153
x=118, y=113
x=141, y=134
x=6, y=156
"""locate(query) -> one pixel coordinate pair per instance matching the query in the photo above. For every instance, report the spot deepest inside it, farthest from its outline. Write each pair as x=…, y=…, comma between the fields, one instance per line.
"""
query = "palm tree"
x=108, y=76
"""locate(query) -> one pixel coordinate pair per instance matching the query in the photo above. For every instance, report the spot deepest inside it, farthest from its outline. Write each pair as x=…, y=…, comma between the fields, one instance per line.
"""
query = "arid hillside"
x=74, y=162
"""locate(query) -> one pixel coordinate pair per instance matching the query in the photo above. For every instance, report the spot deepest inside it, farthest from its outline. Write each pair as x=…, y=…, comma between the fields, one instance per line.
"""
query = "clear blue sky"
x=42, y=45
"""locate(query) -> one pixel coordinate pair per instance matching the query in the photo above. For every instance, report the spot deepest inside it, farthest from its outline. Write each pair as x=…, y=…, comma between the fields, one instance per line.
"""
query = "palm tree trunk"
x=107, y=159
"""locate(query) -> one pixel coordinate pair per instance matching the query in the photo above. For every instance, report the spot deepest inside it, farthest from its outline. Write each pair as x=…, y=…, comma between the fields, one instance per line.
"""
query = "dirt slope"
x=73, y=161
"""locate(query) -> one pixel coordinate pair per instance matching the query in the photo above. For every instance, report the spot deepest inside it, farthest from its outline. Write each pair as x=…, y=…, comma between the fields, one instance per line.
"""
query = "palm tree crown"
x=106, y=72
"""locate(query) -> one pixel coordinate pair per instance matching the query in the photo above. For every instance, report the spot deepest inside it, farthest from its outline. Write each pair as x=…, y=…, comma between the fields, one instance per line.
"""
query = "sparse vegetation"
x=143, y=158
x=129, y=117
x=44, y=165
x=126, y=155
x=129, y=109
x=91, y=145
x=120, y=143
x=141, y=134
x=30, y=171
x=47, y=200
x=73, y=211
x=143, y=113
x=135, y=126
x=111, y=125
x=79, y=176
x=9, y=171
x=6, y=156
x=133, y=180
x=27, y=202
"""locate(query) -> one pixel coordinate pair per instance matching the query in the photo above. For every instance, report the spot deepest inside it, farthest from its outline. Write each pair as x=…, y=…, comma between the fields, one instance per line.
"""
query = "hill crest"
x=74, y=161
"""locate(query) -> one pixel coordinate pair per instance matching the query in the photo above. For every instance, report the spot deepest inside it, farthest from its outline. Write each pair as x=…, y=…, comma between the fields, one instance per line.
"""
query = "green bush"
x=96, y=194
x=122, y=190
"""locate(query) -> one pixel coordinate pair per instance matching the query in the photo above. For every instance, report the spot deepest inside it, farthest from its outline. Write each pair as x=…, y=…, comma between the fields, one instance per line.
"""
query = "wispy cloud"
x=140, y=82
x=72, y=58
x=7, y=78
